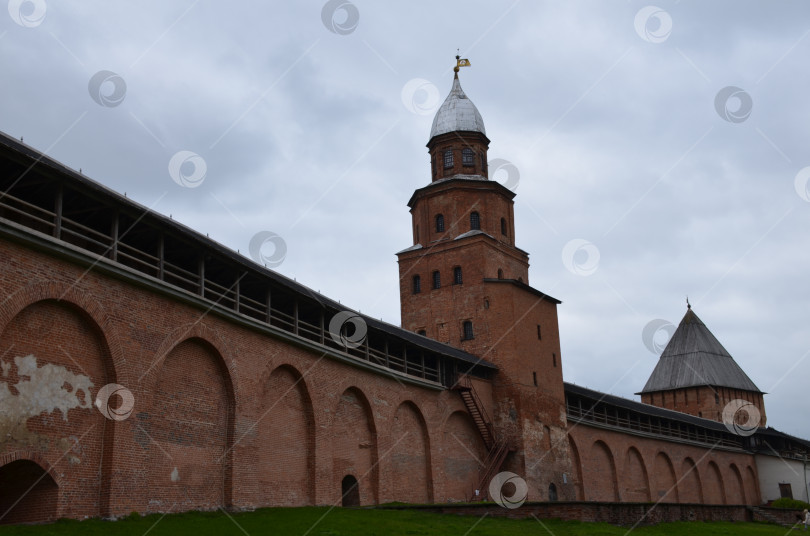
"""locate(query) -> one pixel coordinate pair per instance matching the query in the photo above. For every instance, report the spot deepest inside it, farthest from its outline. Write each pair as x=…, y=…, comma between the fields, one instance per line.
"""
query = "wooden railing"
x=114, y=246
x=652, y=425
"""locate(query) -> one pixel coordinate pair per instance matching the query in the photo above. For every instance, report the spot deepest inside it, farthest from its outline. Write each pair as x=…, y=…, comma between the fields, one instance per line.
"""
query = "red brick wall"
x=409, y=462
x=288, y=433
x=607, y=468
x=458, y=470
x=706, y=402
x=296, y=421
x=188, y=428
x=55, y=343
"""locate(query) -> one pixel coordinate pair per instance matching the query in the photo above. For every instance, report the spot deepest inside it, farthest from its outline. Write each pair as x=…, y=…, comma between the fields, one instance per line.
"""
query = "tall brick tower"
x=464, y=282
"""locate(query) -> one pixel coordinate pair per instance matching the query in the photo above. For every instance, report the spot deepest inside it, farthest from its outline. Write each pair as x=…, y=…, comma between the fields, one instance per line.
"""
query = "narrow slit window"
x=468, y=330
x=437, y=279
x=417, y=284
x=457, y=279
x=503, y=226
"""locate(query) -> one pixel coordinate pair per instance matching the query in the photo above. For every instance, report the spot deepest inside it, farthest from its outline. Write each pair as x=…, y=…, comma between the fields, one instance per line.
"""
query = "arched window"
x=500, y=273
x=552, y=492
x=475, y=221
x=417, y=284
x=467, y=157
x=439, y=223
x=448, y=159
x=457, y=275
x=437, y=279
x=503, y=226
x=467, y=330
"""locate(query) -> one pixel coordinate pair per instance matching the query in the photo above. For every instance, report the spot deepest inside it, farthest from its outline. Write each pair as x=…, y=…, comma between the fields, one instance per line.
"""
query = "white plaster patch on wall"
x=6, y=368
x=40, y=389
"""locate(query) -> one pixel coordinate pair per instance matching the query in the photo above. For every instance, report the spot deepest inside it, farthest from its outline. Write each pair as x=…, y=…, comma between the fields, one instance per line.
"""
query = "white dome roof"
x=457, y=113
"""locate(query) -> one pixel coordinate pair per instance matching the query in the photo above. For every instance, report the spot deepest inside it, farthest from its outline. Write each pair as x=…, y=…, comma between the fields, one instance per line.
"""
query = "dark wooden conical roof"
x=694, y=357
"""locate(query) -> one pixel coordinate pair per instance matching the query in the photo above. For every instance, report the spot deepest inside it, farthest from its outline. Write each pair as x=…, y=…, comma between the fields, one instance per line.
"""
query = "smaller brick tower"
x=696, y=375
x=464, y=282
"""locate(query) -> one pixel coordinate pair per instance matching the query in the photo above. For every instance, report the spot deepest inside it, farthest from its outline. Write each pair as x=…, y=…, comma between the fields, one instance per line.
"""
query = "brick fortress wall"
x=224, y=415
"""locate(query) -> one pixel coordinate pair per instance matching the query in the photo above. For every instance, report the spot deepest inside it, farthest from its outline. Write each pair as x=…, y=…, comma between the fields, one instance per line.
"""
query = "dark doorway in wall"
x=27, y=493
x=350, y=491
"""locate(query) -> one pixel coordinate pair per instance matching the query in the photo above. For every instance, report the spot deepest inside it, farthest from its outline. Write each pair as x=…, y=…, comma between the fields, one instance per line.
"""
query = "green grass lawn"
x=321, y=521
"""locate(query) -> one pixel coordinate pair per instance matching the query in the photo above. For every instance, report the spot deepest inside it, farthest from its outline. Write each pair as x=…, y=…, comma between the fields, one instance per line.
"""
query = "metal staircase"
x=497, y=448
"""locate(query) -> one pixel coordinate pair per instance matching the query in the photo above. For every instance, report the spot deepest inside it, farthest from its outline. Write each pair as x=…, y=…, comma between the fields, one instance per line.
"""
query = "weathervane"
x=687, y=303
x=460, y=62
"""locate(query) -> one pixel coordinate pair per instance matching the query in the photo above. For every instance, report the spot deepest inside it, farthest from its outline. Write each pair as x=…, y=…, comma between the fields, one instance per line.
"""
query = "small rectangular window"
x=448, y=159
x=467, y=156
x=467, y=329
x=475, y=221
x=785, y=491
x=437, y=280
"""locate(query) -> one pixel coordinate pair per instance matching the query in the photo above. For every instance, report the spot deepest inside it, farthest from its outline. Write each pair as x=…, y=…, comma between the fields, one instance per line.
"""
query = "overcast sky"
x=642, y=178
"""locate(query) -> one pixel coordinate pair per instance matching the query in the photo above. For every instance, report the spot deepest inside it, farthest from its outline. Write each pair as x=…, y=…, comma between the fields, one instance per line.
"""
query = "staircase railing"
x=492, y=465
x=465, y=384
x=497, y=448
